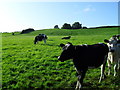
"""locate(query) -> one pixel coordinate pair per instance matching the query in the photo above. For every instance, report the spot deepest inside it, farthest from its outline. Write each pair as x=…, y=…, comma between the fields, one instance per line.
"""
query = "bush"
x=76, y=25
x=84, y=27
x=56, y=27
x=27, y=30
x=66, y=26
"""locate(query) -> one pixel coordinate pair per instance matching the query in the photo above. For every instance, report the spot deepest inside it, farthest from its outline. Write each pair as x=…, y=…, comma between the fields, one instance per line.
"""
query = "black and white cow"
x=116, y=36
x=84, y=57
x=40, y=37
x=114, y=54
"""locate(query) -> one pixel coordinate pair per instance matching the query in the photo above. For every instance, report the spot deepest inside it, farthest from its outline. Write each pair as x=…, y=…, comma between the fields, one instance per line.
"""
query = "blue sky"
x=16, y=16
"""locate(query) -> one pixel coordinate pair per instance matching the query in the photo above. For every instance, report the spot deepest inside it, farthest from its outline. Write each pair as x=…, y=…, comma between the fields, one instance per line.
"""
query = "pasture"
x=25, y=65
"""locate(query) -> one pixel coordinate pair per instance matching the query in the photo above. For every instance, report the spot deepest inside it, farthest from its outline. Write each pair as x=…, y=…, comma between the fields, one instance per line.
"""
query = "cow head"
x=111, y=43
x=67, y=53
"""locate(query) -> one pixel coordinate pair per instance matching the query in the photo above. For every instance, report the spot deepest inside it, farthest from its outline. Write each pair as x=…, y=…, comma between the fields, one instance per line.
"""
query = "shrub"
x=27, y=30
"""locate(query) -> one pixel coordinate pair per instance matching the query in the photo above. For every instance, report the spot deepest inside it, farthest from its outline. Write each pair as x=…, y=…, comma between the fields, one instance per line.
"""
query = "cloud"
x=89, y=9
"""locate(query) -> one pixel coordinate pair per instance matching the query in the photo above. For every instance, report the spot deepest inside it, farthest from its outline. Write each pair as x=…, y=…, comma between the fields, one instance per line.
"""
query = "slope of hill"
x=67, y=32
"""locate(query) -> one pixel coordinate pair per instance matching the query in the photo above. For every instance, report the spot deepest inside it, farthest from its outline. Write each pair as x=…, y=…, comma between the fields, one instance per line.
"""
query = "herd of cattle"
x=90, y=56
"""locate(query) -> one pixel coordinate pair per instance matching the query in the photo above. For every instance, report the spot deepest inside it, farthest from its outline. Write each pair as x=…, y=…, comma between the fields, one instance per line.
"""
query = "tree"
x=56, y=27
x=76, y=25
x=66, y=26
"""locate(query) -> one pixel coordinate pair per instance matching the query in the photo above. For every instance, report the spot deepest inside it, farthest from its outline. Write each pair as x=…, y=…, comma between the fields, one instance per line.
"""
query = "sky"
x=19, y=15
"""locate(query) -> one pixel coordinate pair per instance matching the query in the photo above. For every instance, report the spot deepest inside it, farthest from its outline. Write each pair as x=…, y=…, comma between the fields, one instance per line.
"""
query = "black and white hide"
x=40, y=37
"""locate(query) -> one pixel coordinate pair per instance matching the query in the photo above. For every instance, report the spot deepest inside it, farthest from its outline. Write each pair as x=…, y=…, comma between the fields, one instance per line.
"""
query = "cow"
x=114, y=54
x=66, y=37
x=85, y=57
x=116, y=36
x=40, y=37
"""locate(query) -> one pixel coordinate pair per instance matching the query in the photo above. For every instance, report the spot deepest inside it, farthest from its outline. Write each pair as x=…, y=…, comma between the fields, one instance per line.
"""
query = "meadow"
x=29, y=66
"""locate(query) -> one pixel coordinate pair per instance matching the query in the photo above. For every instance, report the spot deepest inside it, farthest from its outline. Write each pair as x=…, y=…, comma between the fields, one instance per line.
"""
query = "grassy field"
x=25, y=65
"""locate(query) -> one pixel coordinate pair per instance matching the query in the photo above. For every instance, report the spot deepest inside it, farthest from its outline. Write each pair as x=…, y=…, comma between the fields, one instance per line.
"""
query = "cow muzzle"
x=112, y=50
x=60, y=59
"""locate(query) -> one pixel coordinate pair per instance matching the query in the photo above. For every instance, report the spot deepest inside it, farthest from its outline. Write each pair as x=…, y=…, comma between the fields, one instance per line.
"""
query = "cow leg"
x=115, y=69
x=109, y=66
x=45, y=41
x=103, y=69
x=78, y=85
x=118, y=64
x=35, y=41
x=81, y=75
x=102, y=73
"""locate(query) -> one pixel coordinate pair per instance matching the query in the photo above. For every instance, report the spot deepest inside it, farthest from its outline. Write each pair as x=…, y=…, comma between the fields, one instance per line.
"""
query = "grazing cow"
x=84, y=57
x=40, y=37
x=116, y=36
x=66, y=37
x=114, y=54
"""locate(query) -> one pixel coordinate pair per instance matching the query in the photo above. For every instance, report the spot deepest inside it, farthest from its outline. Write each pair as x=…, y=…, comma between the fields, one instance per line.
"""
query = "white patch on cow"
x=67, y=45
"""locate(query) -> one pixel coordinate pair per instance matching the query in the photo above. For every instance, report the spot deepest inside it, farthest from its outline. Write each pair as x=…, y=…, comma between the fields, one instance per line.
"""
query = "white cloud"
x=86, y=9
x=89, y=9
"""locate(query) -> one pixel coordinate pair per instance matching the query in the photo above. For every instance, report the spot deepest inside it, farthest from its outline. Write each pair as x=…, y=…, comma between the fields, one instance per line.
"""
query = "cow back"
x=90, y=55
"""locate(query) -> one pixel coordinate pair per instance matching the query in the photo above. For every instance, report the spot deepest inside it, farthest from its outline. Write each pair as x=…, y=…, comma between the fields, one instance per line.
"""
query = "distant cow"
x=66, y=37
x=84, y=57
x=40, y=37
x=114, y=54
x=116, y=36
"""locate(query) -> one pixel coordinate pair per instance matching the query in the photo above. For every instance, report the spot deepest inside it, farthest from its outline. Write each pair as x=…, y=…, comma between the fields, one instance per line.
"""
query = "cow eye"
x=65, y=48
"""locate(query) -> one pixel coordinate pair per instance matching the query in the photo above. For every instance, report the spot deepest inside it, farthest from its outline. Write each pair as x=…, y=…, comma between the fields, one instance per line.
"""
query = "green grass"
x=25, y=65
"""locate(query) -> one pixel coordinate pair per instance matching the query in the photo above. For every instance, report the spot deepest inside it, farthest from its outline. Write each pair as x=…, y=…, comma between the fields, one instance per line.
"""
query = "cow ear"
x=62, y=45
x=107, y=41
x=69, y=43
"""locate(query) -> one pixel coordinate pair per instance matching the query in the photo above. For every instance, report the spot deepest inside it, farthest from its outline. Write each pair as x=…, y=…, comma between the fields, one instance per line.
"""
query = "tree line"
x=75, y=25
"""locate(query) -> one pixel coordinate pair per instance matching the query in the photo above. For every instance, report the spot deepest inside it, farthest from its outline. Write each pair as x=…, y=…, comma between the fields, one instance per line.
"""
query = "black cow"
x=84, y=57
x=66, y=37
x=40, y=37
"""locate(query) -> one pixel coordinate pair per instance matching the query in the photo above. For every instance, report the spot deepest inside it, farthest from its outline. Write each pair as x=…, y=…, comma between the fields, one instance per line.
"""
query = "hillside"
x=73, y=32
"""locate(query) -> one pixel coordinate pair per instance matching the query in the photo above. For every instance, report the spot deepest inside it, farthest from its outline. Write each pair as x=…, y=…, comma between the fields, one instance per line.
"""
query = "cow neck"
x=74, y=51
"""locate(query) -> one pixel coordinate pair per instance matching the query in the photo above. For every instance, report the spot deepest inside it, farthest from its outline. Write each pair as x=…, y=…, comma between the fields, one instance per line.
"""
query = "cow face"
x=68, y=51
x=111, y=44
